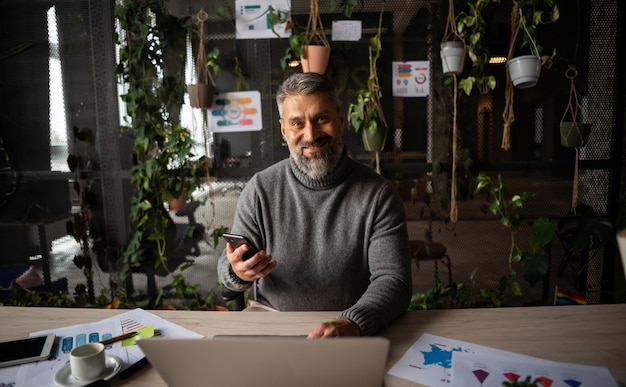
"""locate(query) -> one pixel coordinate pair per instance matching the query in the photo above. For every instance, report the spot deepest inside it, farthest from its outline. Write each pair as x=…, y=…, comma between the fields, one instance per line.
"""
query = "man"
x=332, y=233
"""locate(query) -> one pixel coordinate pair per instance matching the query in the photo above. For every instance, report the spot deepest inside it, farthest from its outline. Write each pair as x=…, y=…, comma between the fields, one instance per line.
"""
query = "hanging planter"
x=452, y=57
x=574, y=134
x=524, y=70
x=315, y=47
x=452, y=60
x=367, y=115
x=201, y=93
x=315, y=59
x=373, y=141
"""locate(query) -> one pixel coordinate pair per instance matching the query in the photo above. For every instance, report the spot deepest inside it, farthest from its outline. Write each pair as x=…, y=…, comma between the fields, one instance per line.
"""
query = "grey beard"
x=320, y=165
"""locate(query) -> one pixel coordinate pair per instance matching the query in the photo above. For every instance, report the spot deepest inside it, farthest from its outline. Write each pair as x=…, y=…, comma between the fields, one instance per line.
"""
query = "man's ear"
x=282, y=127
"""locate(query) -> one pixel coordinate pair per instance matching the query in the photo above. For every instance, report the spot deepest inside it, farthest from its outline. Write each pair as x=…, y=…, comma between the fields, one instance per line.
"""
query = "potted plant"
x=452, y=46
x=523, y=71
x=452, y=60
x=311, y=46
x=201, y=93
x=574, y=134
x=315, y=47
x=366, y=115
x=527, y=15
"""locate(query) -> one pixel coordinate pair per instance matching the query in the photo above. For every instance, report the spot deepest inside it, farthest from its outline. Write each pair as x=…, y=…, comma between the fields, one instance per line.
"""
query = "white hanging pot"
x=452, y=57
x=524, y=70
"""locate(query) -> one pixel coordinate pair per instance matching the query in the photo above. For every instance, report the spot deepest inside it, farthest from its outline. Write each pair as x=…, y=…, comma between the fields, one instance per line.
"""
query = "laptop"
x=269, y=362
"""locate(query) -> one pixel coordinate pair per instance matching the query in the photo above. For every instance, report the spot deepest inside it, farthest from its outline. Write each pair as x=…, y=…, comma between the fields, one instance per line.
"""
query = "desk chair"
x=422, y=250
x=237, y=299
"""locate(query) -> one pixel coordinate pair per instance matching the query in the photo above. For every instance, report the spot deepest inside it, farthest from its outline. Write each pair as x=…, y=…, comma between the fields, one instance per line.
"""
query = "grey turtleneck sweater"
x=340, y=242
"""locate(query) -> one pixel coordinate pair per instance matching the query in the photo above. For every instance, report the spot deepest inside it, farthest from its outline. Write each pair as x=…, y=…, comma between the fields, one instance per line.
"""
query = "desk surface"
x=585, y=334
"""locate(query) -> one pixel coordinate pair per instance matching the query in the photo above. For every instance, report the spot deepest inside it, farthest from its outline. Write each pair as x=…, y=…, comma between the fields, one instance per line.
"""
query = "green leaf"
x=516, y=289
x=541, y=232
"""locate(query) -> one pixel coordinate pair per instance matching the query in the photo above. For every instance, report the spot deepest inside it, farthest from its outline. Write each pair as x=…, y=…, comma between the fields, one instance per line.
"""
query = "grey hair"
x=305, y=84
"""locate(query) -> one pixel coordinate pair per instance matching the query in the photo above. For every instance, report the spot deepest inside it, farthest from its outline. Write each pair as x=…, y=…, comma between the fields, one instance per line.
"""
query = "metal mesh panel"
x=412, y=30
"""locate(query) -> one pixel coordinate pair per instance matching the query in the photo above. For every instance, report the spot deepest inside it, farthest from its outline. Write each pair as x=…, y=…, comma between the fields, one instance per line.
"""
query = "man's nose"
x=311, y=131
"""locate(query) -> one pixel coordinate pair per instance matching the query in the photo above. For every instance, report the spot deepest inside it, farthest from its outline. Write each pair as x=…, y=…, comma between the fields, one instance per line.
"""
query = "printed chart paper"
x=236, y=112
x=469, y=371
x=411, y=79
x=252, y=20
x=42, y=373
x=433, y=361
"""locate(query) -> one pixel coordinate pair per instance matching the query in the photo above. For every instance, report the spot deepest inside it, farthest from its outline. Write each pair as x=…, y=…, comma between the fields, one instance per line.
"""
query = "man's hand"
x=336, y=328
x=257, y=266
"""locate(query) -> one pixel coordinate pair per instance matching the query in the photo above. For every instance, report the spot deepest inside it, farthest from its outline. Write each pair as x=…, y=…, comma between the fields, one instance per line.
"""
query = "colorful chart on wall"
x=252, y=19
x=411, y=79
x=236, y=112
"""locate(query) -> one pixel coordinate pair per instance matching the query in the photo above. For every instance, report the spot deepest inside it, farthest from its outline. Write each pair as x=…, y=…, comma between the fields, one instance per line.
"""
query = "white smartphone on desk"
x=26, y=350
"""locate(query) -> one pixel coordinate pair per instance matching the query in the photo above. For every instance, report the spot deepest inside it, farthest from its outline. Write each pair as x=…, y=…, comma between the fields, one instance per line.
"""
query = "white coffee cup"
x=621, y=244
x=88, y=361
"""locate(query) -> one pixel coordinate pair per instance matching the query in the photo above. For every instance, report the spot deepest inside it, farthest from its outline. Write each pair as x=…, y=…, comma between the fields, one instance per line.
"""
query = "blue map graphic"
x=440, y=356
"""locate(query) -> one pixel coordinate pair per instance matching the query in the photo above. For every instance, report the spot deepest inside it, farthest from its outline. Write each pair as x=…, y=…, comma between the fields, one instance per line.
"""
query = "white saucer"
x=64, y=377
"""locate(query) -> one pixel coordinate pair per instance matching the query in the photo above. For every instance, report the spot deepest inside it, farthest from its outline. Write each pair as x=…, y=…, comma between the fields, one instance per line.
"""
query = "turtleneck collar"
x=327, y=181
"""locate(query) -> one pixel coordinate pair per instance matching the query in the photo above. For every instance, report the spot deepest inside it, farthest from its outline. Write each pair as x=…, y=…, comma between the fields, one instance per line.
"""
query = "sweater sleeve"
x=242, y=224
x=389, y=292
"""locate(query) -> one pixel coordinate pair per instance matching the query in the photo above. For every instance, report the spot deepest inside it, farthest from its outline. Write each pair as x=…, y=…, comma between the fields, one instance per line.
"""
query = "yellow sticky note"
x=143, y=332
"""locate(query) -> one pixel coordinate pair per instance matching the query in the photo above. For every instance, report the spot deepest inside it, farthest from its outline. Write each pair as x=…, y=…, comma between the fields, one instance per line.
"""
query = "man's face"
x=313, y=128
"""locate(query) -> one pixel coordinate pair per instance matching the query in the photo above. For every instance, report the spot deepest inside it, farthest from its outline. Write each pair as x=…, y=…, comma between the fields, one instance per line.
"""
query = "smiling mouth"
x=316, y=146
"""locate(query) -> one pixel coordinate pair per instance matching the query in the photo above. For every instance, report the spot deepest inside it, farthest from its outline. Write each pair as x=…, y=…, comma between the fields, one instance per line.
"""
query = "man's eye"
x=296, y=124
x=322, y=119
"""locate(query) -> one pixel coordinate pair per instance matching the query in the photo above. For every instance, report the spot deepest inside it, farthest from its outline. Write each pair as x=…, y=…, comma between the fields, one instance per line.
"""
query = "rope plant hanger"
x=451, y=31
x=315, y=28
x=576, y=133
x=203, y=73
x=202, y=70
x=508, y=115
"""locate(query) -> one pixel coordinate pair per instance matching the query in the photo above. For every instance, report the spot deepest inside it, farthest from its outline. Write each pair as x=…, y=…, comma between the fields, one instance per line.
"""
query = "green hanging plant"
x=164, y=166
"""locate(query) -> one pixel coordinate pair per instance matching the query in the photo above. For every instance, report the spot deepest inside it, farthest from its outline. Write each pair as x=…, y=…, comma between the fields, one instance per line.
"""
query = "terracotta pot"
x=452, y=57
x=574, y=134
x=201, y=95
x=524, y=70
x=315, y=59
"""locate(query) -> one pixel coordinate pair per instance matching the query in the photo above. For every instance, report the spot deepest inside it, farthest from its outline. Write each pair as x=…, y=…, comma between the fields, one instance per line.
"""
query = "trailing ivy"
x=164, y=166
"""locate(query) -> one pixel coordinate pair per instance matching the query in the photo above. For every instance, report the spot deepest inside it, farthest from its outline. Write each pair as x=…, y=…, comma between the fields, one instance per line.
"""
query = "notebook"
x=269, y=362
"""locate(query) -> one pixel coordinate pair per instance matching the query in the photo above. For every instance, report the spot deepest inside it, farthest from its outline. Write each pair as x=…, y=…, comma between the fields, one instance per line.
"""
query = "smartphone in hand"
x=237, y=240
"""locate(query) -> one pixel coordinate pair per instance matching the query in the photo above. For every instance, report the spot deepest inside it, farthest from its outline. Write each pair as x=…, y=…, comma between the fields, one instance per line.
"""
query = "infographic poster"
x=252, y=19
x=411, y=79
x=236, y=112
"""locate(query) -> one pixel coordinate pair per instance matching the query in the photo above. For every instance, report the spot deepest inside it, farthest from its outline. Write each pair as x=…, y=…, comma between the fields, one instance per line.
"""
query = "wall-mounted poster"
x=252, y=19
x=236, y=112
x=411, y=79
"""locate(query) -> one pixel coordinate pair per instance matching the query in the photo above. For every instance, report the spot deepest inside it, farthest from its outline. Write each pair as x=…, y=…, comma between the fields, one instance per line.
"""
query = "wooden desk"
x=585, y=334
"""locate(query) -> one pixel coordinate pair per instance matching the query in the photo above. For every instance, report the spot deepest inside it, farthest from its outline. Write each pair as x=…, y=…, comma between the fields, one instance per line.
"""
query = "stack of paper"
x=42, y=373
